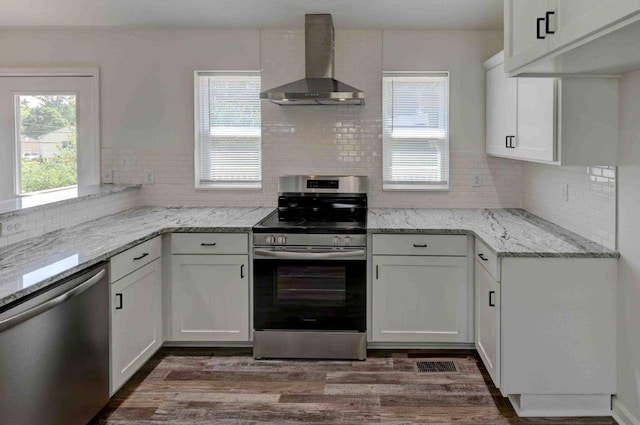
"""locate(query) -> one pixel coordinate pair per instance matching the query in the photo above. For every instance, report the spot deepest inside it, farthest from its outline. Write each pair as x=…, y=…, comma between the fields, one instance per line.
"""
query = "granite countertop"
x=36, y=263
x=508, y=232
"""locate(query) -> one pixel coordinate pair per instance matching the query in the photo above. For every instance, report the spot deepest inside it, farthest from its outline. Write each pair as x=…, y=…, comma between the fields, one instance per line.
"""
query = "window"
x=49, y=138
x=415, y=120
x=47, y=142
x=228, y=126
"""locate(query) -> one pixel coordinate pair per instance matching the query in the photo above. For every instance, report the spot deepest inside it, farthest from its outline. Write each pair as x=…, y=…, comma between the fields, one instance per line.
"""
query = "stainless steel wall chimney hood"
x=318, y=87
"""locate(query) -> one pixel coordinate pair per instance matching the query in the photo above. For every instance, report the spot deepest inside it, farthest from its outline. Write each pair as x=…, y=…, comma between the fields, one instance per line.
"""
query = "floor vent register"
x=432, y=367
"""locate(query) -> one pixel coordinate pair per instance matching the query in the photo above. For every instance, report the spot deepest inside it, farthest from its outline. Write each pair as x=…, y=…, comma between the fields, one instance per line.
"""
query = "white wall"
x=629, y=246
x=147, y=106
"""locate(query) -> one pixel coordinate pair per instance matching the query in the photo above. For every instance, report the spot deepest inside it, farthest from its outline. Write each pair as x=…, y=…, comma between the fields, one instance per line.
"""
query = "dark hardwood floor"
x=229, y=387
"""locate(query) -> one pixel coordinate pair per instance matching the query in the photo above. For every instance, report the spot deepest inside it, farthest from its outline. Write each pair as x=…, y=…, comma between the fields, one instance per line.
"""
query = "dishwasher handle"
x=48, y=305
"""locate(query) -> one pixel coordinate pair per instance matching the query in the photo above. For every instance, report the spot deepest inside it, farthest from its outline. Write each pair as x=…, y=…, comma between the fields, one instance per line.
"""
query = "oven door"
x=307, y=288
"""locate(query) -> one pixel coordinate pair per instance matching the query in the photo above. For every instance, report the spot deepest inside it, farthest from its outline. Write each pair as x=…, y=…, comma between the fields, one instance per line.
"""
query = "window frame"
x=218, y=185
x=422, y=186
x=89, y=172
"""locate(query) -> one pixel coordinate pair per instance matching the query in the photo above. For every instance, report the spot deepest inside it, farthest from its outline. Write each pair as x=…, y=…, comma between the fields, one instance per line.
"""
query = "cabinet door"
x=419, y=299
x=522, y=18
x=577, y=19
x=536, y=119
x=488, y=322
x=500, y=111
x=136, y=321
x=210, y=298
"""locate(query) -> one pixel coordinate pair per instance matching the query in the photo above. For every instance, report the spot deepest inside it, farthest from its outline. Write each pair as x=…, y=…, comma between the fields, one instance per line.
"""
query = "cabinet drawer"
x=134, y=258
x=488, y=259
x=209, y=243
x=453, y=245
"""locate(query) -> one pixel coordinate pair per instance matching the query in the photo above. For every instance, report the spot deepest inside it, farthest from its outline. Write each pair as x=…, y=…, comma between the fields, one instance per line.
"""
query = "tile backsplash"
x=501, y=178
x=590, y=207
x=72, y=212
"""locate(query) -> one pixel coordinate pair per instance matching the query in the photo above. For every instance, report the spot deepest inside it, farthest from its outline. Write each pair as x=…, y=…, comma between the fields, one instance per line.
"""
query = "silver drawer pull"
x=417, y=245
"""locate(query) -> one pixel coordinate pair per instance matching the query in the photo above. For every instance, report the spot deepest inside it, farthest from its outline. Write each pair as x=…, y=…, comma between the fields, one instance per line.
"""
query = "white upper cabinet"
x=551, y=37
x=577, y=19
x=500, y=112
x=535, y=119
x=525, y=31
x=568, y=121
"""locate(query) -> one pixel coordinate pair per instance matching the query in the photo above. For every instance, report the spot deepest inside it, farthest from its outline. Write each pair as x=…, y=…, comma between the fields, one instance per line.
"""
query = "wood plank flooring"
x=229, y=387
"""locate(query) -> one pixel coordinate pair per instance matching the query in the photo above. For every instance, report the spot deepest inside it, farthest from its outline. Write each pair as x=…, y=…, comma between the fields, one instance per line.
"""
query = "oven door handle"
x=359, y=254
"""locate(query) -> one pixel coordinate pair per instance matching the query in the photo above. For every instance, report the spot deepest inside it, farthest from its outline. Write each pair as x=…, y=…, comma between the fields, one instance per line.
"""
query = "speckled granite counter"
x=35, y=263
x=31, y=265
x=508, y=232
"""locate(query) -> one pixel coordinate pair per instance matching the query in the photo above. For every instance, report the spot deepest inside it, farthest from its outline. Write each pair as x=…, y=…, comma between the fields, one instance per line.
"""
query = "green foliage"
x=51, y=113
x=48, y=174
x=42, y=120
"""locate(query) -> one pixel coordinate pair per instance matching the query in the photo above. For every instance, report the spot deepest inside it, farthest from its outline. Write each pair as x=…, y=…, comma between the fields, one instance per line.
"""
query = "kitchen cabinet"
x=571, y=36
x=487, y=312
x=210, y=292
x=525, y=37
x=568, y=121
x=136, y=320
x=545, y=331
x=418, y=297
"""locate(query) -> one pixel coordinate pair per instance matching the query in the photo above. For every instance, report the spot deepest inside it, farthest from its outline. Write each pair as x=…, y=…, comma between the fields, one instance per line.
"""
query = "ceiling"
x=354, y=14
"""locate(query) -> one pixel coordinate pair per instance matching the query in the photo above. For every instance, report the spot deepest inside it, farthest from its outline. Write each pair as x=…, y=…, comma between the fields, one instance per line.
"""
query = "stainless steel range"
x=310, y=270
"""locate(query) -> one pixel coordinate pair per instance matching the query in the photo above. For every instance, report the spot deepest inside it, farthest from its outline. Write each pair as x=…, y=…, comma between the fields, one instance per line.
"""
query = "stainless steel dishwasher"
x=54, y=353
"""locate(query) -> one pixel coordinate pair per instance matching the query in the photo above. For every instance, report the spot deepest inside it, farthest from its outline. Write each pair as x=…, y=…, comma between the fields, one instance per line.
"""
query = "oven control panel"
x=323, y=184
x=306, y=239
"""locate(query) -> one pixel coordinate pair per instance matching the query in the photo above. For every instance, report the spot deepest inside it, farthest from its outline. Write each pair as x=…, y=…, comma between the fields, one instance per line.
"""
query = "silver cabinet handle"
x=308, y=255
x=48, y=305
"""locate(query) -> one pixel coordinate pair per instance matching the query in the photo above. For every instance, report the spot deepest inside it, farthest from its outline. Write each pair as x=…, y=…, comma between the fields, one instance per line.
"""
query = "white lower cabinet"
x=136, y=321
x=419, y=299
x=546, y=331
x=488, y=321
x=210, y=298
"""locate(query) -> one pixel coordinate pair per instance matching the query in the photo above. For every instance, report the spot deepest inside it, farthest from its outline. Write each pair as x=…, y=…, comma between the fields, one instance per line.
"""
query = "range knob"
x=336, y=240
x=347, y=240
x=282, y=240
x=270, y=239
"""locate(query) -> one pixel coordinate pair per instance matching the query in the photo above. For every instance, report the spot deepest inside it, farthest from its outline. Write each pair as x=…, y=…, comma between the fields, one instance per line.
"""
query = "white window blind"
x=415, y=119
x=228, y=145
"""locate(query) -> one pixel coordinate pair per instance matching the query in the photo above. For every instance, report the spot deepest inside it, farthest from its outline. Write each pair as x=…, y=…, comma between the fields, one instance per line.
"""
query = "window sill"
x=407, y=187
x=229, y=186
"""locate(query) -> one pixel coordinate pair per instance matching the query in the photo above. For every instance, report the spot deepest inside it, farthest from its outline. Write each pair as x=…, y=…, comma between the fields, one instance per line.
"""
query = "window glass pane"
x=47, y=140
x=230, y=129
x=415, y=130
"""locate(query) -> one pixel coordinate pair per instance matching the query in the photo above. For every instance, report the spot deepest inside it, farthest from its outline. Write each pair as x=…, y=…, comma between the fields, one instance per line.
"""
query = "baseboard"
x=421, y=345
x=621, y=414
x=561, y=405
x=206, y=344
